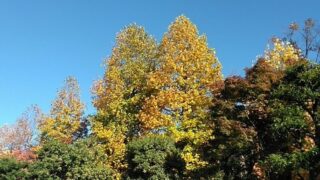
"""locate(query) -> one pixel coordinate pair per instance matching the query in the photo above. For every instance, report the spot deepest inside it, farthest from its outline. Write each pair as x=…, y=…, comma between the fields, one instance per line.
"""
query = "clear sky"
x=44, y=41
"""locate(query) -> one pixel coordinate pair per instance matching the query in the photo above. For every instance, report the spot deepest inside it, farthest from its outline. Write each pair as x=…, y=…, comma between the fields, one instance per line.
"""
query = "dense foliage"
x=81, y=160
x=164, y=111
x=10, y=168
x=154, y=157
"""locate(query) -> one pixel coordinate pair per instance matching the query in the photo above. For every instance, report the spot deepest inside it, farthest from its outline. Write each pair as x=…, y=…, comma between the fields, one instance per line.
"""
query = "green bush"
x=81, y=160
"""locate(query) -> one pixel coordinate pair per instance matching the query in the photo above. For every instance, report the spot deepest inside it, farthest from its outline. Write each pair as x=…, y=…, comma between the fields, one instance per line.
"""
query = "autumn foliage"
x=64, y=119
x=165, y=111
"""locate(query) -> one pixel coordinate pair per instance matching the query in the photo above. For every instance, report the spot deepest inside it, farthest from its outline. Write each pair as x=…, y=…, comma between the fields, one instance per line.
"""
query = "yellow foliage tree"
x=119, y=96
x=188, y=72
x=65, y=115
x=282, y=55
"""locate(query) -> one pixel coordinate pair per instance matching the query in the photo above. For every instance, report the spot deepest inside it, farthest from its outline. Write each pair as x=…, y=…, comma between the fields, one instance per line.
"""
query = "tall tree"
x=66, y=113
x=119, y=96
x=188, y=71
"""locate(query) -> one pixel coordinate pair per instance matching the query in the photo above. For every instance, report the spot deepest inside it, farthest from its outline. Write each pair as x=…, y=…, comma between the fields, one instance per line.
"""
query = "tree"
x=119, y=96
x=22, y=135
x=7, y=138
x=296, y=120
x=282, y=55
x=65, y=116
x=239, y=115
x=154, y=157
x=187, y=73
x=306, y=38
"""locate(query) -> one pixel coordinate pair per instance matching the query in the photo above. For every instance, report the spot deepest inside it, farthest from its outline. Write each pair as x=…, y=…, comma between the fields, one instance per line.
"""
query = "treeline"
x=164, y=111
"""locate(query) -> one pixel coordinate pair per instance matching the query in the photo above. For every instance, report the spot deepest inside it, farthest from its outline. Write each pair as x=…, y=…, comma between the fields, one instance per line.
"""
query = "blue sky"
x=44, y=41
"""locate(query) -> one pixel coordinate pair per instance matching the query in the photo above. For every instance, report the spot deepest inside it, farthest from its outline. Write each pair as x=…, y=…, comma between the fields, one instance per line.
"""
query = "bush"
x=81, y=160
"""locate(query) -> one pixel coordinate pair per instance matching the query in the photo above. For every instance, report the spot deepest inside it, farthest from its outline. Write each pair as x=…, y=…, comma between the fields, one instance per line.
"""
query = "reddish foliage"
x=21, y=155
